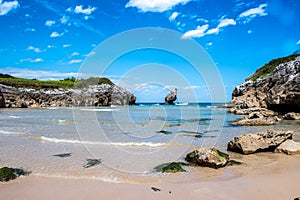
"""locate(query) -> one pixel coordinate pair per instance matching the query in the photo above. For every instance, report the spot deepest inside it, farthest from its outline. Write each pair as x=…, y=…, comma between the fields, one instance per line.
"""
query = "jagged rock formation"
x=258, y=142
x=95, y=95
x=171, y=97
x=277, y=90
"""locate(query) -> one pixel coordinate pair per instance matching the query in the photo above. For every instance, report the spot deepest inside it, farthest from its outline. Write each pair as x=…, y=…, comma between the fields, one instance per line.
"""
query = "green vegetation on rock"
x=173, y=167
x=52, y=84
x=7, y=173
x=269, y=67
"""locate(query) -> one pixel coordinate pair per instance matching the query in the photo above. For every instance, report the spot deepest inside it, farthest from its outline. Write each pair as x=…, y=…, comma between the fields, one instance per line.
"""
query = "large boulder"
x=289, y=147
x=171, y=97
x=258, y=142
x=275, y=86
x=208, y=157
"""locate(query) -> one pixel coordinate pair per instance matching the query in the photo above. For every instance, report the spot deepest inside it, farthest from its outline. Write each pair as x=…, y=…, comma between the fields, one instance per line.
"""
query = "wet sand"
x=279, y=185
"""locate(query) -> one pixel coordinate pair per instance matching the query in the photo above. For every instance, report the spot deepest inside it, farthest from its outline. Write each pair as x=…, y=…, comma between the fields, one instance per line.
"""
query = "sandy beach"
x=265, y=176
x=279, y=185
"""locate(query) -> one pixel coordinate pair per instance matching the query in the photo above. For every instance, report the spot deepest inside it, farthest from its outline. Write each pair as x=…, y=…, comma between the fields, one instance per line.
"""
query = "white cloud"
x=155, y=5
x=64, y=19
x=40, y=74
x=30, y=29
x=75, y=61
x=199, y=32
x=250, y=14
x=35, y=49
x=66, y=45
x=202, y=30
x=75, y=53
x=213, y=31
x=226, y=22
x=6, y=7
x=298, y=42
x=51, y=46
x=32, y=61
x=90, y=54
x=209, y=44
x=223, y=23
x=55, y=34
x=173, y=16
x=69, y=9
x=87, y=11
x=49, y=23
x=249, y=31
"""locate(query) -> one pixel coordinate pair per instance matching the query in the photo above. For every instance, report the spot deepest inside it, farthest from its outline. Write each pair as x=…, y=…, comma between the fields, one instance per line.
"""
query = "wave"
x=124, y=144
x=14, y=117
x=212, y=106
x=99, y=109
x=10, y=133
x=181, y=104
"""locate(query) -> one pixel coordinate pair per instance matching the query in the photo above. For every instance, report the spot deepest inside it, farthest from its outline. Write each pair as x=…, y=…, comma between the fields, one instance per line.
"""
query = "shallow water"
x=130, y=141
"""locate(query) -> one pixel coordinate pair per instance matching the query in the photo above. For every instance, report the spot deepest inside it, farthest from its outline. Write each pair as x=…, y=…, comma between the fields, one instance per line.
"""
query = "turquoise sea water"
x=130, y=141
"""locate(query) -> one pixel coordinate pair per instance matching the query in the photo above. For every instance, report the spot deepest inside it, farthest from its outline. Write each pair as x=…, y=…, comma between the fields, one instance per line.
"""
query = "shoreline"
x=274, y=185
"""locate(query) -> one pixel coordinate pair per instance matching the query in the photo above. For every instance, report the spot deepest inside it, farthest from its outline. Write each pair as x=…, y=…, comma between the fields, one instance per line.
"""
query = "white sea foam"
x=10, y=132
x=181, y=104
x=124, y=144
x=14, y=117
x=99, y=109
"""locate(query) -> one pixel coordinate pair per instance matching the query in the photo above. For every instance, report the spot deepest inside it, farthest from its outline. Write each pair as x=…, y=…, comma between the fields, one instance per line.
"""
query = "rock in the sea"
x=292, y=116
x=7, y=173
x=93, y=95
x=289, y=147
x=258, y=142
x=208, y=157
x=171, y=97
x=91, y=162
x=275, y=86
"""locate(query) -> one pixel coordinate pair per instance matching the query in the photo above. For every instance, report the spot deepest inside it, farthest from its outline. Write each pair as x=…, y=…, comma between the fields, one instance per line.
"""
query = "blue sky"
x=52, y=39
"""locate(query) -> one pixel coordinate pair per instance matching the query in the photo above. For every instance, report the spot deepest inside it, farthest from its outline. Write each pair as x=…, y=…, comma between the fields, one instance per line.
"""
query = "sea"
x=129, y=141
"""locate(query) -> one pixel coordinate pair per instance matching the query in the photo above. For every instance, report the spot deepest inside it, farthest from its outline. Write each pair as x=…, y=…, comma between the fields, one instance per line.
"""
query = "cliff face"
x=96, y=95
x=278, y=91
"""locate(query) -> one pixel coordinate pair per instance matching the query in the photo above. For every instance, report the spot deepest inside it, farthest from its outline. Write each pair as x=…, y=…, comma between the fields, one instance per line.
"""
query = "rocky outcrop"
x=257, y=119
x=95, y=95
x=2, y=101
x=208, y=157
x=289, y=147
x=171, y=97
x=258, y=142
x=292, y=116
x=278, y=90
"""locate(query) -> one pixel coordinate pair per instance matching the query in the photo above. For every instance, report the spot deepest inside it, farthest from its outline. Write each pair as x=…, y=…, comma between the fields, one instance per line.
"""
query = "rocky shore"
x=94, y=95
x=269, y=95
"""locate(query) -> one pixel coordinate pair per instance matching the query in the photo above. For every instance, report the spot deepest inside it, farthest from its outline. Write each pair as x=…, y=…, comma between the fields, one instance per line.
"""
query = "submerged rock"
x=173, y=167
x=258, y=142
x=208, y=157
x=171, y=97
x=63, y=155
x=165, y=132
x=292, y=116
x=289, y=147
x=7, y=173
x=91, y=162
